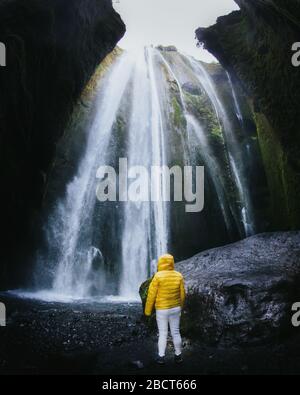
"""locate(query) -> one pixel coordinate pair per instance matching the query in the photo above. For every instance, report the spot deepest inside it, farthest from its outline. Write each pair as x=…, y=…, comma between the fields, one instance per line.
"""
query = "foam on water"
x=50, y=296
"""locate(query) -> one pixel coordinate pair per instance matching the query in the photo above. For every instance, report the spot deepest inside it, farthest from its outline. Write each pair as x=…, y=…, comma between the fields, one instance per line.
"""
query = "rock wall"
x=53, y=49
x=244, y=292
x=254, y=45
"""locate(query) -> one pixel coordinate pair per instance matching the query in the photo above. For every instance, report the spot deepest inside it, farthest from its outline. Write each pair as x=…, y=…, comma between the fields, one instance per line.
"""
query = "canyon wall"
x=53, y=49
x=254, y=45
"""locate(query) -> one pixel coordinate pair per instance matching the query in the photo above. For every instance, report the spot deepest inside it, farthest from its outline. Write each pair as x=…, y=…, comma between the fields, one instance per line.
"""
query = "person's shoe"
x=178, y=359
x=160, y=360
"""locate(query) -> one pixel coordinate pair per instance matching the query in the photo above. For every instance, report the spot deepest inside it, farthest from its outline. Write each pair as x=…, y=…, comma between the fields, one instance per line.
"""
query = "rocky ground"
x=237, y=320
x=52, y=338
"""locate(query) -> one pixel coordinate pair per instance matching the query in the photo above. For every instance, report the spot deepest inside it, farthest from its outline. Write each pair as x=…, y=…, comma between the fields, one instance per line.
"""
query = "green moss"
x=216, y=133
x=178, y=117
x=282, y=180
x=257, y=54
x=100, y=72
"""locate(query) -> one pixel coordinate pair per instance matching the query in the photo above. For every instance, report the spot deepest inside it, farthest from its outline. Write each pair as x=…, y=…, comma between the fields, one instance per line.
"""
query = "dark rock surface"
x=54, y=338
x=244, y=292
x=53, y=48
x=254, y=45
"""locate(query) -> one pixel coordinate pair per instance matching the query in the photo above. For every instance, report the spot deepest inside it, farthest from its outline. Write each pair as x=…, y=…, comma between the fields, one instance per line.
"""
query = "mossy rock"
x=143, y=291
x=196, y=305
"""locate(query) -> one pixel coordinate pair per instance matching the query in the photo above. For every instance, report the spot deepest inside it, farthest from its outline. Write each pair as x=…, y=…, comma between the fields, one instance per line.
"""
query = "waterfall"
x=234, y=150
x=145, y=233
x=70, y=226
x=182, y=102
x=237, y=107
x=141, y=242
x=194, y=126
x=134, y=113
x=158, y=158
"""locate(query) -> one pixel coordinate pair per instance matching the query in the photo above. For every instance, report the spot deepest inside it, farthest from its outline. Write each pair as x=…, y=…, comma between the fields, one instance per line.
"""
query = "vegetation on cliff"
x=254, y=45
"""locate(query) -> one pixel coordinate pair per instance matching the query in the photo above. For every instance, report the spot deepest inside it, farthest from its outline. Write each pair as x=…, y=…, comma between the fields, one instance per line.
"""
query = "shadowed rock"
x=255, y=46
x=52, y=49
x=243, y=292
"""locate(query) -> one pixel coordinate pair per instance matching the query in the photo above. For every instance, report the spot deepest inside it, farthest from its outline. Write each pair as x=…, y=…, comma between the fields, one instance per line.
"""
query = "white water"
x=50, y=296
x=142, y=243
x=213, y=167
x=158, y=158
x=69, y=232
x=211, y=163
x=135, y=85
x=247, y=210
x=238, y=110
x=241, y=181
x=185, y=112
x=145, y=233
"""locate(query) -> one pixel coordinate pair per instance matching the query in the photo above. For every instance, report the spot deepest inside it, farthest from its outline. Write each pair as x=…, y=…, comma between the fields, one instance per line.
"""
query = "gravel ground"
x=54, y=338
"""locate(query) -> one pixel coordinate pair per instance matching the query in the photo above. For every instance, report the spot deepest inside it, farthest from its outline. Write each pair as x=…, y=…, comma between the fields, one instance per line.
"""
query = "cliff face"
x=254, y=45
x=53, y=49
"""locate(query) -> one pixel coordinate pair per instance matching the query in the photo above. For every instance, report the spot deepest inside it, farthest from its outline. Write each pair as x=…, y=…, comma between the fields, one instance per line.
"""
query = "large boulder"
x=243, y=293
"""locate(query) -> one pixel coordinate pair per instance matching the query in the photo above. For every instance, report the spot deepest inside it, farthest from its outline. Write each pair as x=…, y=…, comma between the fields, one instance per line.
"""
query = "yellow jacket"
x=166, y=290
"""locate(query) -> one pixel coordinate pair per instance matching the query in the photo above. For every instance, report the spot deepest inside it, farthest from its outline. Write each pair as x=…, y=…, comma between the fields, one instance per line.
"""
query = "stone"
x=243, y=292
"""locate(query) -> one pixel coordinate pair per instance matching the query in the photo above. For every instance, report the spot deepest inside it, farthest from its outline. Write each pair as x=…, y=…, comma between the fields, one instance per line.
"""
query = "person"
x=167, y=294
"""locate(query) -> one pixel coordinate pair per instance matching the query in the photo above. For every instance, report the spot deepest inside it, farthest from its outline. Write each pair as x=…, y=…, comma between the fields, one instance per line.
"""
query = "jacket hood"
x=165, y=262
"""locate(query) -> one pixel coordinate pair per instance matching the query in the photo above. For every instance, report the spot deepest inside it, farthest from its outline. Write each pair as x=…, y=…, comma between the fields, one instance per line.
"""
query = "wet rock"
x=170, y=48
x=192, y=89
x=243, y=293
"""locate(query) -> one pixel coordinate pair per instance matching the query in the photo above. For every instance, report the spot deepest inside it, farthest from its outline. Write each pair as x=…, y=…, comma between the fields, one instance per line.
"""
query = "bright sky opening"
x=170, y=22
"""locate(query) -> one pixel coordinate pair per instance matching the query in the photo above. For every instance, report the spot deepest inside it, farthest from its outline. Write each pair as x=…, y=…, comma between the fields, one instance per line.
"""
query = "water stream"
x=138, y=89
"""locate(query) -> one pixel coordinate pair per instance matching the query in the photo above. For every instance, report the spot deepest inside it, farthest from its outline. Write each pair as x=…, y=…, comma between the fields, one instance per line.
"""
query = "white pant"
x=163, y=319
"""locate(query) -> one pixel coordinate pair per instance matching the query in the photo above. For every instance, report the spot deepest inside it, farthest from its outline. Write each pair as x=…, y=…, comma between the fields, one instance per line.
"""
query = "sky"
x=170, y=22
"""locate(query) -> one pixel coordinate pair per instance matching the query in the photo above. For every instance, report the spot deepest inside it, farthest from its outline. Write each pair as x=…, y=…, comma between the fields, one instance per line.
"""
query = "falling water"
x=145, y=233
x=247, y=210
x=136, y=88
x=70, y=227
x=158, y=158
x=142, y=243
x=211, y=163
x=236, y=162
x=237, y=107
